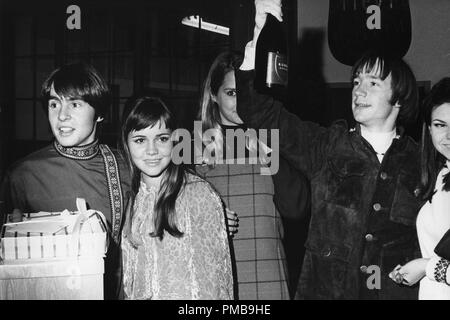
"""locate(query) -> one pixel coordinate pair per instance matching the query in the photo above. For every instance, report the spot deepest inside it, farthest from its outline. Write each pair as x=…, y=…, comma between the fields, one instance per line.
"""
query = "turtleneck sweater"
x=380, y=141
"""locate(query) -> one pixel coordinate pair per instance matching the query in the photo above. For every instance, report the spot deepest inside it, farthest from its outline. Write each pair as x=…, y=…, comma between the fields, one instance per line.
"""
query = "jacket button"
x=383, y=175
x=369, y=237
x=377, y=207
x=363, y=269
x=326, y=252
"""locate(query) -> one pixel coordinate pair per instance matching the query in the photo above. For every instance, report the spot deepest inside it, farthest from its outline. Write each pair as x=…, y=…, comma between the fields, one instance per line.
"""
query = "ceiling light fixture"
x=197, y=22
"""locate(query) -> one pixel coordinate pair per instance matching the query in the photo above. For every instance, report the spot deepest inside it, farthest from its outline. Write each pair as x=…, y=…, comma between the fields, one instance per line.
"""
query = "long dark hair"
x=432, y=161
x=146, y=112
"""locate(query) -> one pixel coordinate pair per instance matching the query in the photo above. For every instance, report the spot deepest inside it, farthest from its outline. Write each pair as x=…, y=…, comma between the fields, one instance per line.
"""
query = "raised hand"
x=262, y=8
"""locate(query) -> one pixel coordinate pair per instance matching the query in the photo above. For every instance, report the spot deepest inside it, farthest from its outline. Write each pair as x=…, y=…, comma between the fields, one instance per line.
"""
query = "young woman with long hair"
x=433, y=220
x=174, y=240
x=261, y=268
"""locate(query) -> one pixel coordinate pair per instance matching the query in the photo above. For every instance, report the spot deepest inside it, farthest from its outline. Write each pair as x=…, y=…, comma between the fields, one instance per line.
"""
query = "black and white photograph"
x=246, y=152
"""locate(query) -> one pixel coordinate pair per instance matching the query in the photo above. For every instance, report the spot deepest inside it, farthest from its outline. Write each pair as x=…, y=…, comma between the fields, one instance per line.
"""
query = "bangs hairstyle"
x=144, y=112
x=141, y=113
x=78, y=81
x=403, y=82
x=431, y=160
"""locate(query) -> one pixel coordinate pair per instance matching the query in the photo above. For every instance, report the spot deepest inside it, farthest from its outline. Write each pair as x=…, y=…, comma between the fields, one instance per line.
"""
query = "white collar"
x=380, y=141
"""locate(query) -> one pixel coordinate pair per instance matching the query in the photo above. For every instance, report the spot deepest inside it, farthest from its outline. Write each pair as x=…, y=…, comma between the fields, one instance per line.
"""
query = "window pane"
x=158, y=73
x=185, y=75
x=43, y=69
x=72, y=58
x=75, y=40
x=125, y=87
x=186, y=40
x=43, y=131
x=157, y=34
x=186, y=108
x=23, y=27
x=24, y=78
x=101, y=64
x=123, y=33
x=114, y=115
x=98, y=31
x=123, y=74
x=24, y=120
x=45, y=42
x=121, y=109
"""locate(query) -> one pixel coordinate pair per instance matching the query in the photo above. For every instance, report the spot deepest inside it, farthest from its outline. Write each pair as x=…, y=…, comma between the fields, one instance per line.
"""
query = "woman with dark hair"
x=261, y=270
x=174, y=240
x=433, y=220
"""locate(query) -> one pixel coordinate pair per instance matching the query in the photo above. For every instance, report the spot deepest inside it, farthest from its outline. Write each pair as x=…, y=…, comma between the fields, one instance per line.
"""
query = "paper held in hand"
x=45, y=235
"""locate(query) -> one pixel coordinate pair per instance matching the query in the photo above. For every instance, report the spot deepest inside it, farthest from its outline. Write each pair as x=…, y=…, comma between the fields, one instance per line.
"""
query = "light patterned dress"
x=258, y=249
x=433, y=222
x=195, y=266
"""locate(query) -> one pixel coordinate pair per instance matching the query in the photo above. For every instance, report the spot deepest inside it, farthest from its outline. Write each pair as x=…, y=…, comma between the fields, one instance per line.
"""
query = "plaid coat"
x=258, y=250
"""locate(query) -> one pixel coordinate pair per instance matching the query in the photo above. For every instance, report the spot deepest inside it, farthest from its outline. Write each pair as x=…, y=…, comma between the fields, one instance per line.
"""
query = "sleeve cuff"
x=249, y=57
x=431, y=266
x=438, y=270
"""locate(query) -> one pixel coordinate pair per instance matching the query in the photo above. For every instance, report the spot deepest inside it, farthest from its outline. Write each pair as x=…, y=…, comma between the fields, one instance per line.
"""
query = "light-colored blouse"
x=195, y=266
x=432, y=223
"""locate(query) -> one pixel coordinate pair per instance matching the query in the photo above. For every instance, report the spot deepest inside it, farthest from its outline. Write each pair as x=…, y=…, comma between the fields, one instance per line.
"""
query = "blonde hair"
x=209, y=110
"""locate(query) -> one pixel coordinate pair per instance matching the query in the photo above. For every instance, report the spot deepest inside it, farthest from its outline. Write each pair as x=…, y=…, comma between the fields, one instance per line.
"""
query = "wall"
x=428, y=55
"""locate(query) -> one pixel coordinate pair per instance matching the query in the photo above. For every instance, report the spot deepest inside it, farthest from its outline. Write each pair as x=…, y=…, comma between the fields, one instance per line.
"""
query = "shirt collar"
x=398, y=129
x=85, y=152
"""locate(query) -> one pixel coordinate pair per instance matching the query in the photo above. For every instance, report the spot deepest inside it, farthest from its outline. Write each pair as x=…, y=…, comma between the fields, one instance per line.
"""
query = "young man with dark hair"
x=364, y=180
x=75, y=165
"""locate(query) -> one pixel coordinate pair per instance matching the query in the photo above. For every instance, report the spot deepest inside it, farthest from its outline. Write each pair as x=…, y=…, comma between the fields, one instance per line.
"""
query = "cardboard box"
x=53, y=236
x=69, y=279
x=55, y=255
